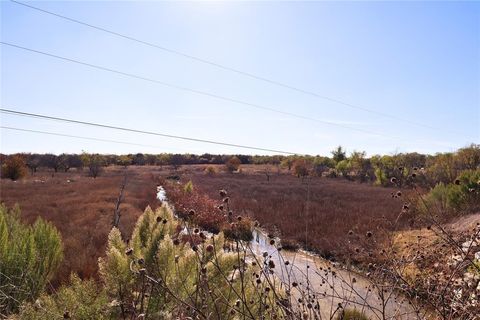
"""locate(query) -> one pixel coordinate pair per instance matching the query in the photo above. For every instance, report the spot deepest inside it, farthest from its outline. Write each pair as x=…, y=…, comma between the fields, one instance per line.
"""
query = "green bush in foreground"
x=29, y=257
x=164, y=272
x=82, y=300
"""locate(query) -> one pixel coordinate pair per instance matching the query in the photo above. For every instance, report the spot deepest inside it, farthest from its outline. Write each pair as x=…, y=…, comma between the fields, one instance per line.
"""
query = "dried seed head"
x=196, y=231
x=209, y=248
x=66, y=315
x=129, y=251
x=271, y=264
x=350, y=232
x=226, y=200
x=191, y=212
x=393, y=180
x=195, y=248
x=164, y=221
x=294, y=284
x=399, y=193
x=223, y=193
x=414, y=175
x=272, y=242
x=256, y=224
x=369, y=234
x=176, y=242
x=457, y=182
x=220, y=207
x=159, y=219
x=141, y=261
x=239, y=218
x=177, y=257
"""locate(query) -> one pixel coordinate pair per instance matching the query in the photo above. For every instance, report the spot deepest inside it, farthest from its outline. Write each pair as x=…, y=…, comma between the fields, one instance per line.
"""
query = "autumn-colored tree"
x=301, y=168
x=232, y=164
x=14, y=168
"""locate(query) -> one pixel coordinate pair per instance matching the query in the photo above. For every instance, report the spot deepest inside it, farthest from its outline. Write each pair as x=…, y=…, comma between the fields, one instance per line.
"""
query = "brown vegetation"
x=82, y=209
x=317, y=212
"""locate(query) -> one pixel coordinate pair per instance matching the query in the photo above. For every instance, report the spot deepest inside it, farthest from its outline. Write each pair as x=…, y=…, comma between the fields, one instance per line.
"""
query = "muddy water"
x=329, y=283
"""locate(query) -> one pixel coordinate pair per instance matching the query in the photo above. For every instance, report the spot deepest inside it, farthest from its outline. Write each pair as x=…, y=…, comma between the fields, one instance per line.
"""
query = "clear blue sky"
x=415, y=60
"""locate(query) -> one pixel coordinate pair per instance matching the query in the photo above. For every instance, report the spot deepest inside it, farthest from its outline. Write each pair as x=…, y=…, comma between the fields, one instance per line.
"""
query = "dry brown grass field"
x=316, y=213
x=82, y=207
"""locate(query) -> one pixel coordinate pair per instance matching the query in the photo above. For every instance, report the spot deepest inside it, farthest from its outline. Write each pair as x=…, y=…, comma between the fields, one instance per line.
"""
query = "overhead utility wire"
x=171, y=136
x=199, y=92
x=81, y=137
x=227, y=68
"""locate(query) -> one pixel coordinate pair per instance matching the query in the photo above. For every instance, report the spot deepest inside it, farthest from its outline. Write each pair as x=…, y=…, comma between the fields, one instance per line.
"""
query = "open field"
x=81, y=208
x=316, y=213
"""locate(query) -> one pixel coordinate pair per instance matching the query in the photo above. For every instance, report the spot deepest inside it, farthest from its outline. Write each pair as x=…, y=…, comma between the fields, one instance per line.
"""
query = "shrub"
x=301, y=168
x=82, y=300
x=210, y=170
x=188, y=187
x=352, y=314
x=343, y=167
x=232, y=164
x=462, y=196
x=156, y=273
x=29, y=257
x=14, y=168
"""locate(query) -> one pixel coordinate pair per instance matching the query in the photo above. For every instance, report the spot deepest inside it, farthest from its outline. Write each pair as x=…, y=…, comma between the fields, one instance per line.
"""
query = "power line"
x=106, y=126
x=81, y=137
x=199, y=92
x=234, y=70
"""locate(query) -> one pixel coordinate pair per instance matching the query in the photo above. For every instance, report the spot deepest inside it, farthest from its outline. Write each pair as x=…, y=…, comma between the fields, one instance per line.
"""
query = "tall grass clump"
x=29, y=257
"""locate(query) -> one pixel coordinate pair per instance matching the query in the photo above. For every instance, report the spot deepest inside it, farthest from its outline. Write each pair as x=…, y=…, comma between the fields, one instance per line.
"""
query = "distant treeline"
x=380, y=169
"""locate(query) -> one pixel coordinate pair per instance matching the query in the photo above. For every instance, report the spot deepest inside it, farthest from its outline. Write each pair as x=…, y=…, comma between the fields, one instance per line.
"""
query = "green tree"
x=94, y=162
x=339, y=154
x=322, y=164
x=343, y=167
